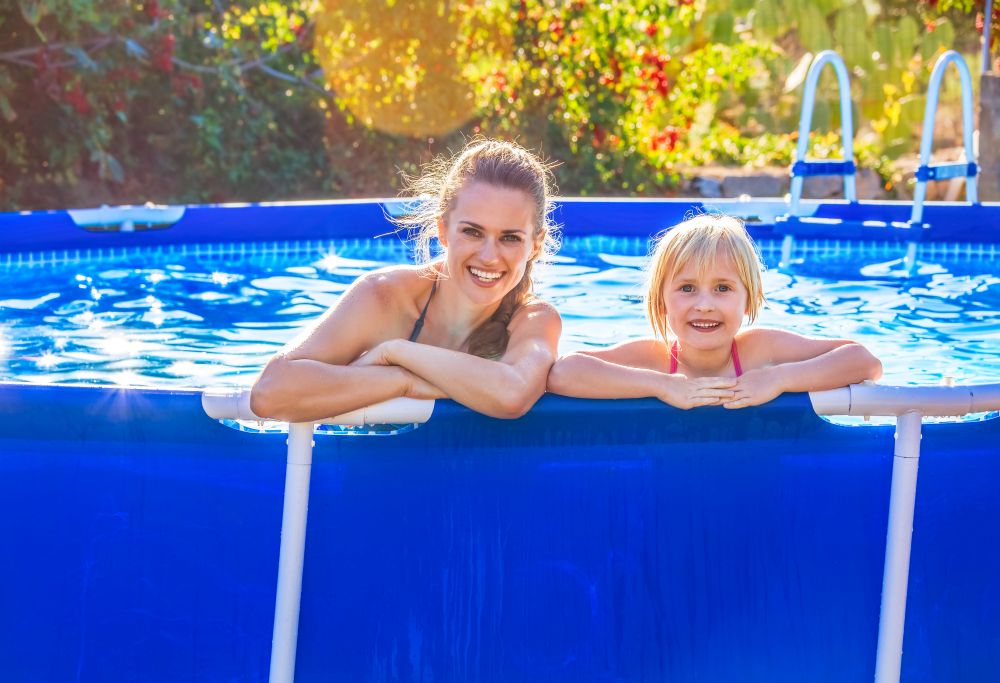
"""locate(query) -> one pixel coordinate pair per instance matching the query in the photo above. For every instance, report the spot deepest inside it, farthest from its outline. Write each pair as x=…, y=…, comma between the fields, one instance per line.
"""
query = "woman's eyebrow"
x=504, y=231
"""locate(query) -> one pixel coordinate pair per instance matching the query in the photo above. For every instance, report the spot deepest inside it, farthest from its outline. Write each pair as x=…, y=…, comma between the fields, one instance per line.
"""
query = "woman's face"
x=490, y=237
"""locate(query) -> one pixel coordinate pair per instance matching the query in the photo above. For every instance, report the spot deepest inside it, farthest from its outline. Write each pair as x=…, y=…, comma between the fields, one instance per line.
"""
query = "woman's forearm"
x=487, y=386
x=585, y=376
x=848, y=364
x=302, y=390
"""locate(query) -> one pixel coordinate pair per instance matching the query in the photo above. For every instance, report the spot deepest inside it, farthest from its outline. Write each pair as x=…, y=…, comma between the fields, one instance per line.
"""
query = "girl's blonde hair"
x=500, y=164
x=700, y=240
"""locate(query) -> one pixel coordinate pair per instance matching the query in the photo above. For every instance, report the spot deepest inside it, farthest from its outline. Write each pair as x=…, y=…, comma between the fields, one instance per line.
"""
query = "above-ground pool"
x=587, y=541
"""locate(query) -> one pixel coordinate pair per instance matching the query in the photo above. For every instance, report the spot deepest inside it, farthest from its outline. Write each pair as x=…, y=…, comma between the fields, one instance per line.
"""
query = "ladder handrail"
x=805, y=122
x=927, y=136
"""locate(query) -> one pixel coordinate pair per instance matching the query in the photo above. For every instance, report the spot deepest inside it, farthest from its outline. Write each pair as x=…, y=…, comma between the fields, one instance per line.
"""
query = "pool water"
x=211, y=315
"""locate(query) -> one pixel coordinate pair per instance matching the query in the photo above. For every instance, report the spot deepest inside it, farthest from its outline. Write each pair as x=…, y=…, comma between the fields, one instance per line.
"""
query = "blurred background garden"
x=194, y=101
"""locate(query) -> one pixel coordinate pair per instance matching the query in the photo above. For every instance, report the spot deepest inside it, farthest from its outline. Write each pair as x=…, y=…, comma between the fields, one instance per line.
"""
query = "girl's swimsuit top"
x=419, y=325
x=673, y=359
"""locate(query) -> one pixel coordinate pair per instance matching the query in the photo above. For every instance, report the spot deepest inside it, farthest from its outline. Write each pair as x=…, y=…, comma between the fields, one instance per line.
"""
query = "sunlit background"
x=173, y=102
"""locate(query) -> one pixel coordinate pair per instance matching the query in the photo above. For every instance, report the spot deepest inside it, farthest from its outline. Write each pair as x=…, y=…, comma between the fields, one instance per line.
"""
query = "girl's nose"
x=704, y=302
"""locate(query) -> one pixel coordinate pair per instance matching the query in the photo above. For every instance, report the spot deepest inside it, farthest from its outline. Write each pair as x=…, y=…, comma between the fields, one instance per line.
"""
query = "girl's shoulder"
x=647, y=353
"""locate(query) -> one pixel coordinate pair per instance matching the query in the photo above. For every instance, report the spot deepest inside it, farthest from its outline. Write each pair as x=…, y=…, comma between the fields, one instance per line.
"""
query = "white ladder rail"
x=802, y=167
x=927, y=171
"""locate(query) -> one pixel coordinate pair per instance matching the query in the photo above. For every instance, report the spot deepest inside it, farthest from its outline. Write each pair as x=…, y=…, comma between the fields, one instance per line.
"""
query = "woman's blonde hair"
x=500, y=164
x=700, y=240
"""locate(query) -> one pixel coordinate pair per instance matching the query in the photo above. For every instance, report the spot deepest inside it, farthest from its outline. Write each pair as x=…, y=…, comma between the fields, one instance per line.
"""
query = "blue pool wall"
x=46, y=230
x=588, y=541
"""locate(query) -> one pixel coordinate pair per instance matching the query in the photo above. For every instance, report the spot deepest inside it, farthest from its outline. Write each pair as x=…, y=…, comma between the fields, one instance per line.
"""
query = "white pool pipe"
x=292, y=552
x=899, y=534
x=235, y=405
x=908, y=404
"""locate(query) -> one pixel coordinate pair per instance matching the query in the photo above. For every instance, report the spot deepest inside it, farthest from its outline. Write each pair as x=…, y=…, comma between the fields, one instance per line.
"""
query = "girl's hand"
x=755, y=387
x=684, y=393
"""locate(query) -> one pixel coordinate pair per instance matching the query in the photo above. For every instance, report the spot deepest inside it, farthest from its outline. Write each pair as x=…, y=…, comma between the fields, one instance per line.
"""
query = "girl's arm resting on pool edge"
x=504, y=388
x=803, y=364
x=619, y=372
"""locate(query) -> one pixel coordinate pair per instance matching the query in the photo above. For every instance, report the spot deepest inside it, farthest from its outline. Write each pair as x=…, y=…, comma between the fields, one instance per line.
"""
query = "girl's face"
x=705, y=310
x=490, y=237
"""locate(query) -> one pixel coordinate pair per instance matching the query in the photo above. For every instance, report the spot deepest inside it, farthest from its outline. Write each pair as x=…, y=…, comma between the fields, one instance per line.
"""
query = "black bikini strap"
x=419, y=325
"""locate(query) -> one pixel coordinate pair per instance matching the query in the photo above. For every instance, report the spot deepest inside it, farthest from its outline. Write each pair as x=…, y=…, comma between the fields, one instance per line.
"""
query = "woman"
x=465, y=326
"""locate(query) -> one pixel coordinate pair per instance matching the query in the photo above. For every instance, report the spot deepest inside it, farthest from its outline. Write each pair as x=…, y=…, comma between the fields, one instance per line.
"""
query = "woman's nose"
x=488, y=251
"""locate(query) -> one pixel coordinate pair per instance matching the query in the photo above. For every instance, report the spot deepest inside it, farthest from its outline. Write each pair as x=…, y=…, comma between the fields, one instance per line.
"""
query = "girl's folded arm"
x=629, y=370
x=807, y=364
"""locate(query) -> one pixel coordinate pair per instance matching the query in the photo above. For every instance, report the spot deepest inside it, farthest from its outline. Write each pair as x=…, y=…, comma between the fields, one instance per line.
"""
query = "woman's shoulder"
x=395, y=283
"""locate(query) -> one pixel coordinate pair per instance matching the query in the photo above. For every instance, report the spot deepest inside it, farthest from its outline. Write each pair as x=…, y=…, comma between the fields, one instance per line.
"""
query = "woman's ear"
x=442, y=232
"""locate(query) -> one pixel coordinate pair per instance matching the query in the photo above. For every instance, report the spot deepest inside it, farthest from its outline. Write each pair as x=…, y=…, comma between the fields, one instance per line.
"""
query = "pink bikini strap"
x=736, y=359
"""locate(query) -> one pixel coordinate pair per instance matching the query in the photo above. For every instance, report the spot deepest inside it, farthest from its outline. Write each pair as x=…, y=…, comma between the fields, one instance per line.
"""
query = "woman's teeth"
x=705, y=326
x=484, y=275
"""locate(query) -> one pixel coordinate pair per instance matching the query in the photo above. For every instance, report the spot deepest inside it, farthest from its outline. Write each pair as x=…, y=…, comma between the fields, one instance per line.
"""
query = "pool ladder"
x=802, y=167
x=926, y=171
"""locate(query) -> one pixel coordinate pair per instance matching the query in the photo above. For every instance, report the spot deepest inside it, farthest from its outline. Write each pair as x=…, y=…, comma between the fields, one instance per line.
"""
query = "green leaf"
x=906, y=36
x=765, y=19
x=813, y=31
x=6, y=110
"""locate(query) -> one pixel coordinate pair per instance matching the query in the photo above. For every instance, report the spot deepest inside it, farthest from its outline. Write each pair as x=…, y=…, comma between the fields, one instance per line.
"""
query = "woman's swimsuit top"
x=673, y=359
x=419, y=325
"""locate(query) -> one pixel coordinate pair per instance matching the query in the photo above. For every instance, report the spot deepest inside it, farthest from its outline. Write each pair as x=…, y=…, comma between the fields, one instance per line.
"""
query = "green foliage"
x=195, y=101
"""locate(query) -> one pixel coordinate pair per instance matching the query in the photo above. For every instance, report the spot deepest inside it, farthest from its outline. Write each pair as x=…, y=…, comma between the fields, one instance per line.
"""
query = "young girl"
x=705, y=279
x=464, y=326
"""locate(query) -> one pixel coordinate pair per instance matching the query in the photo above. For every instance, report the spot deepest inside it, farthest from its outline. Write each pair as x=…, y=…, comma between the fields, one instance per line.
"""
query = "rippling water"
x=213, y=319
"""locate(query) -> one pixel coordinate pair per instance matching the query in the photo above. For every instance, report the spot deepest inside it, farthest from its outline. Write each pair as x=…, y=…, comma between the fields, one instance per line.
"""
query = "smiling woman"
x=465, y=326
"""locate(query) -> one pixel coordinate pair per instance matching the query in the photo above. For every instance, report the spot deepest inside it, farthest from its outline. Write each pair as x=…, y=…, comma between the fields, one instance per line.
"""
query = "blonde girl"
x=704, y=281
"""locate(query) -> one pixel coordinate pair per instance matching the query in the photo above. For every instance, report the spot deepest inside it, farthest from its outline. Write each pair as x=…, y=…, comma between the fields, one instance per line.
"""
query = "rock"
x=755, y=185
x=706, y=187
x=823, y=187
x=869, y=185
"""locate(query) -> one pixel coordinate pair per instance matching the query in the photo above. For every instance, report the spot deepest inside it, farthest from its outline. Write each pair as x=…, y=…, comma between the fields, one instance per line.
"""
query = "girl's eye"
x=724, y=288
x=687, y=288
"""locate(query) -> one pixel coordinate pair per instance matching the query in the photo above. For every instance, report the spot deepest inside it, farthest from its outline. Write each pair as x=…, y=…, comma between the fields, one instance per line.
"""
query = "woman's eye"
x=471, y=232
x=512, y=238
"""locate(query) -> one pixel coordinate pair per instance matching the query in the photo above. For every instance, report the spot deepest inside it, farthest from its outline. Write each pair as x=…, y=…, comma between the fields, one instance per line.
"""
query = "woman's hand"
x=421, y=388
x=755, y=387
x=380, y=354
x=684, y=393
